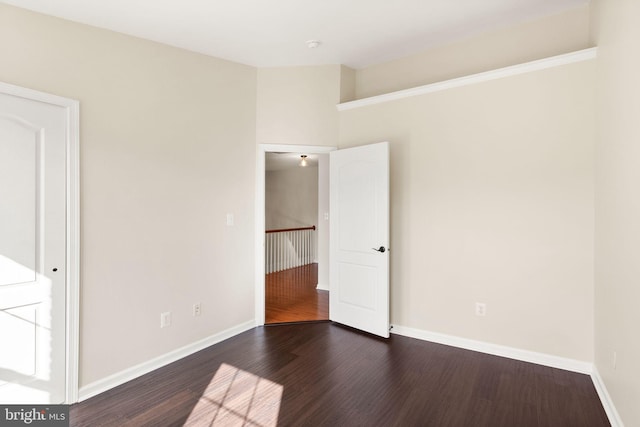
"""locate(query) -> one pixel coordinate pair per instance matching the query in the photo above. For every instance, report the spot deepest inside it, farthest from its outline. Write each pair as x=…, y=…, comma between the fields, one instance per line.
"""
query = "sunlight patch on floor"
x=237, y=398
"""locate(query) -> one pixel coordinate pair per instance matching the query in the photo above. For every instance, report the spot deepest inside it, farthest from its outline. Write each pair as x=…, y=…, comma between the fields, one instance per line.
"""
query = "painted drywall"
x=540, y=38
x=291, y=198
x=617, y=235
x=347, y=84
x=165, y=138
x=297, y=105
x=492, y=202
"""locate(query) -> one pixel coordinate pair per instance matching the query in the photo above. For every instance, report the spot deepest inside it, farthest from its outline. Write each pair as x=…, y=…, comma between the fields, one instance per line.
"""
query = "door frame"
x=72, y=251
x=260, y=214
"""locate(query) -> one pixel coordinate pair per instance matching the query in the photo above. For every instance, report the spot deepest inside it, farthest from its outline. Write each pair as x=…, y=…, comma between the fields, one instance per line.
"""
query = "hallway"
x=291, y=296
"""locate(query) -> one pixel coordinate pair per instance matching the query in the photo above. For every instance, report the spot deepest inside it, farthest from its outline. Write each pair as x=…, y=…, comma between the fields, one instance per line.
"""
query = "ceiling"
x=356, y=33
x=283, y=161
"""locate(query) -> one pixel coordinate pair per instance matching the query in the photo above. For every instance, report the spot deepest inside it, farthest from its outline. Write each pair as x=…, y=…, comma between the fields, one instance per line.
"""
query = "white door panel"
x=32, y=245
x=359, y=274
x=18, y=159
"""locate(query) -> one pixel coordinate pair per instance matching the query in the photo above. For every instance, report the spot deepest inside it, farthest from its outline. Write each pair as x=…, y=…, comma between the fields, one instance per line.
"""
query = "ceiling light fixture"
x=312, y=44
x=303, y=162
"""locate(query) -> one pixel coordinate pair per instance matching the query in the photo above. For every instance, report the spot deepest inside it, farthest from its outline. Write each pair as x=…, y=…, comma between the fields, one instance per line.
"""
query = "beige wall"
x=165, y=138
x=347, y=84
x=297, y=105
x=492, y=201
x=617, y=316
x=291, y=198
x=492, y=184
x=541, y=38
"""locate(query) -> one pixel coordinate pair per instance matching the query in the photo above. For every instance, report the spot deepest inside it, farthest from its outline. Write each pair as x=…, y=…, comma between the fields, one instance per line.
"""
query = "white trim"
x=322, y=287
x=260, y=213
x=259, y=267
x=290, y=148
x=73, y=253
x=497, y=350
x=72, y=224
x=522, y=355
x=35, y=95
x=514, y=70
x=607, y=403
x=129, y=374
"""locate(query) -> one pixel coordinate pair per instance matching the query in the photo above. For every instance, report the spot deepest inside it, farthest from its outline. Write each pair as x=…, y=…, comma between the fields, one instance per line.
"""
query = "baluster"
x=293, y=249
x=270, y=253
x=287, y=251
x=308, y=244
x=308, y=247
x=294, y=238
x=299, y=249
x=270, y=249
x=267, y=244
x=266, y=253
x=280, y=252
x=290, y=249
x=303, y=261
x=274, y=243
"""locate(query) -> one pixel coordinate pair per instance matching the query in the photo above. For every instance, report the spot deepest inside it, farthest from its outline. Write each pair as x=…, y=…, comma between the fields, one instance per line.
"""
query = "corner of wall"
x=347, y=84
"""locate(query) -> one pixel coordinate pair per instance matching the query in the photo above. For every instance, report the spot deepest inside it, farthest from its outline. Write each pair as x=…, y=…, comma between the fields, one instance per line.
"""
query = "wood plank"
x=326, y=374
x=291, y=296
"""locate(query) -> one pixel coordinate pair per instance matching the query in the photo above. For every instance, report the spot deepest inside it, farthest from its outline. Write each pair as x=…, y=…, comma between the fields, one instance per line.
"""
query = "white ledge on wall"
x=527, y=67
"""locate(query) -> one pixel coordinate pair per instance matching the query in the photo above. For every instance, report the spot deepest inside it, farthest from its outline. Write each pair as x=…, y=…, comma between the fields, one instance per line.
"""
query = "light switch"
x=230, y=220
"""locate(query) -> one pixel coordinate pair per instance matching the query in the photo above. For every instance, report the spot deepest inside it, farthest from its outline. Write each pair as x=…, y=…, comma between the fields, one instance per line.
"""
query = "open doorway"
x=292, y=235
x=292, y=224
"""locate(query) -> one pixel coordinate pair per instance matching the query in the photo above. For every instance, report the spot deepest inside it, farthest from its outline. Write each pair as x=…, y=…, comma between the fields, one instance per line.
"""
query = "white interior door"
x=359, y=239
x=32, y=251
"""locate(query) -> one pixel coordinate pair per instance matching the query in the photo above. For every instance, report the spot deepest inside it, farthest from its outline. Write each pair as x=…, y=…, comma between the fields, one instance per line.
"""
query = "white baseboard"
x=322, y=287
x=607, y=403
x=129, y=374
x=525, y=356
x=497, y=350
x=573, y=365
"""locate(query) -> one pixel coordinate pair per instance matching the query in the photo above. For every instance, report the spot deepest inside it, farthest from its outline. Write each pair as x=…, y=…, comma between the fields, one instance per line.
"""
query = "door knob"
x=380, y=249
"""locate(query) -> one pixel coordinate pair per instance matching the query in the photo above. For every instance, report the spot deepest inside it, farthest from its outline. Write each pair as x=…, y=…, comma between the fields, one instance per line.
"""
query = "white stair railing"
x=289, y=248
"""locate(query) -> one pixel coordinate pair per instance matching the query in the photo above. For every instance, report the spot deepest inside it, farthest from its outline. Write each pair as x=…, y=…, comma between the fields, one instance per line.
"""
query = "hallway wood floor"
x=291, y=296
x=324, y=374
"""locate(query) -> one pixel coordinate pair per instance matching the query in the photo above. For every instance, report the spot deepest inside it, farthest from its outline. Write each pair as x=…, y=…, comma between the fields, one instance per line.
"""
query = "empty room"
x=449, y=190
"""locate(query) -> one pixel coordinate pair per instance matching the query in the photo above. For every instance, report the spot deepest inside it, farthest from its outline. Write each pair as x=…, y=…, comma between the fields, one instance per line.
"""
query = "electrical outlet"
x=196, y=309
x=165, y=319
x=481, y=309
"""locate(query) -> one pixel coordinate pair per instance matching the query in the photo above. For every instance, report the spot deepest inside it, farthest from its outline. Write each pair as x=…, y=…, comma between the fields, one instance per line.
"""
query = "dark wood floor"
x=323, y=374
x=291, y=296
